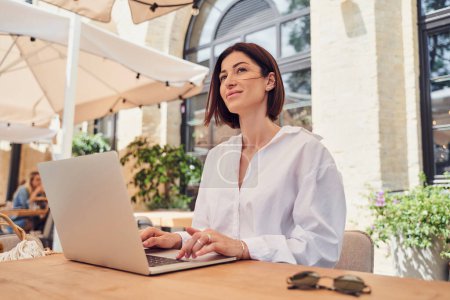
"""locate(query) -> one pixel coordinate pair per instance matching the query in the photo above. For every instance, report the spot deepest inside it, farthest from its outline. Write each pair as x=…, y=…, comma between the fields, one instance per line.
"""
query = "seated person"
x=30, y=195
x=272, y=193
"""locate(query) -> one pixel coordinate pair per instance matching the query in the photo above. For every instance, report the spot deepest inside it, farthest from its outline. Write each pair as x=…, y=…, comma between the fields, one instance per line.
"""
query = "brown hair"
x=216, y=107
x=30, y=180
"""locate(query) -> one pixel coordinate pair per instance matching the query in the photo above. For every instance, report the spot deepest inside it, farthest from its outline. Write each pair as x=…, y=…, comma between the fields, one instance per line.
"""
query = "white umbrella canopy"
x=141, y=10
x=113, y=73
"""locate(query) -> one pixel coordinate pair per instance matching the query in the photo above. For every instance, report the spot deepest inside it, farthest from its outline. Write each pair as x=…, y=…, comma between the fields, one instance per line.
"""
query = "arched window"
x=280, y=26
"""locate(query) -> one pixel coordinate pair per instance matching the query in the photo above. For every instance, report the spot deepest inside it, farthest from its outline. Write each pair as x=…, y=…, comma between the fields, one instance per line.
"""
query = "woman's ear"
x=270, y=82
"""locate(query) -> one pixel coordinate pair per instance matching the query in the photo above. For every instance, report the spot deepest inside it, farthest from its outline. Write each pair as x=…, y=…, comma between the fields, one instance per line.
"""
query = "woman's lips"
x=233, y=94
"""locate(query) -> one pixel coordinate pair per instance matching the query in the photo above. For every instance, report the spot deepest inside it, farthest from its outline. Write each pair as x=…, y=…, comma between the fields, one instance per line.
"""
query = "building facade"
x=370, y=77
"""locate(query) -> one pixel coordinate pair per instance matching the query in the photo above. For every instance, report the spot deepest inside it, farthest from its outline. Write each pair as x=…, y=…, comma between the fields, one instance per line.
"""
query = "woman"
x=271, y=193
x=26, y=196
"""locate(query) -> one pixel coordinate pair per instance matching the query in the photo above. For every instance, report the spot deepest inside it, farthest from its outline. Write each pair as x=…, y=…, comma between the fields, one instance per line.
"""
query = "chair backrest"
x=357, y=252
x=143, y=222
x=47, y=232
x=8, y=241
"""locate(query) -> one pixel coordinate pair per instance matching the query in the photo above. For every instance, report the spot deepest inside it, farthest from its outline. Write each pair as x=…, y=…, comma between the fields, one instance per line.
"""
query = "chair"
x=143, y=222
x=357, y=252
x=8, y=241
x=46, y=236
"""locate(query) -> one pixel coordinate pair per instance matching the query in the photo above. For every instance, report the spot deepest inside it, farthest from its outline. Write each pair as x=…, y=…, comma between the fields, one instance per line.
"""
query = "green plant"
x=419, y=216
x=159, y=173
x=83, y=144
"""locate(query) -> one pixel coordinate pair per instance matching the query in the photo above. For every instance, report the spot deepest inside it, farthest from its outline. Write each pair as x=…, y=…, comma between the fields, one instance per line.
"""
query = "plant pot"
x=419, y=263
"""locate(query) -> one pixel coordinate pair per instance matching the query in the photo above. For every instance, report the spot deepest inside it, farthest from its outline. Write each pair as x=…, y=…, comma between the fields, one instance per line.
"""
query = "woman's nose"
x=230, y=81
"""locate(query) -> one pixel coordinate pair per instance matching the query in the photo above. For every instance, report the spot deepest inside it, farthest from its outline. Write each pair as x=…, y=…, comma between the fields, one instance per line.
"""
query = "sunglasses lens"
x=305, y=280
x=349, y=283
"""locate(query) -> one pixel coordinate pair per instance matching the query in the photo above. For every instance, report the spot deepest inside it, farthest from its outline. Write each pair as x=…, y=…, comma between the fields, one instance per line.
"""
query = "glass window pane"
x=266, y=38
x=297, y=106
x=196, y=111
x=441, y=151
x=289, y=6
x=201, y=57
x=439, y=57
x=429, y=6
x=295, y=36
x=199, y=134
x=223, y=133
x=299, y=116
x=218, y=49
x=440, y=107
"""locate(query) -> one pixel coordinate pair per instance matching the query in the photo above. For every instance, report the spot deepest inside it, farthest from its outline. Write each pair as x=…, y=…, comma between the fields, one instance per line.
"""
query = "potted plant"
x=160, y=172
x=416, y=224
x=84, y=144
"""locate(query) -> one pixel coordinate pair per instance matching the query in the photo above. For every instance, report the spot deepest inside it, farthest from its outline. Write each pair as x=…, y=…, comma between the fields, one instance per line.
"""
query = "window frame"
x=429, y=24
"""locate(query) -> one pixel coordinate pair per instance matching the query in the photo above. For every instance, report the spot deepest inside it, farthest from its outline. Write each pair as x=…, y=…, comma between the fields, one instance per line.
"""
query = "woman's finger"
x=206, y=249
x=191, y=230
x=202, y=241
x=188, y=246
x=149, y=232
x=151, y=242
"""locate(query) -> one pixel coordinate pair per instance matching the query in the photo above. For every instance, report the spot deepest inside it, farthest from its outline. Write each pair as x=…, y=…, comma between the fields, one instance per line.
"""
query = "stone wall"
x=365, y=97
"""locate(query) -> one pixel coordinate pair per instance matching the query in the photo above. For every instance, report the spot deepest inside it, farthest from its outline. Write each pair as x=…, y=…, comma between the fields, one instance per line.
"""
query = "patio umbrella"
x=141, y=10
x=113, y=74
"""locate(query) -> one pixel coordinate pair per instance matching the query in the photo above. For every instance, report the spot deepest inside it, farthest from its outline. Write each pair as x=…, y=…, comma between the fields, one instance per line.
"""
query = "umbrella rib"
x=8, y=51
x=36, y=64
x=36, y=104
x=17, y=61
x=89, y=72
x=187, y=91
x=40, y=85
x=98, y=78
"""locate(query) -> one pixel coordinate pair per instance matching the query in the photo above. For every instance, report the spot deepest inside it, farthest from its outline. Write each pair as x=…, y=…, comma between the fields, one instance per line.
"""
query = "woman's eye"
x=222, y=78
x=240, y=70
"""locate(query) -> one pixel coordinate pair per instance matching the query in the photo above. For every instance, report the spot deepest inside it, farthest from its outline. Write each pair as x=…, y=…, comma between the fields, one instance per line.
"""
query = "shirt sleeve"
x=319, y=217
x=21, y=198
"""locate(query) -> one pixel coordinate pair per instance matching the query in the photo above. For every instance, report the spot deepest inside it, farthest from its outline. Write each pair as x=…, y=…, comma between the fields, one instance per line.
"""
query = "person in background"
x=29, y=195
x=271, y=193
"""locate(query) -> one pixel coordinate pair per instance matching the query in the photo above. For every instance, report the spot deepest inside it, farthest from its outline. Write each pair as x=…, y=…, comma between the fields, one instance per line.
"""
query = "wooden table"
x=54, y=277
x=24, y=212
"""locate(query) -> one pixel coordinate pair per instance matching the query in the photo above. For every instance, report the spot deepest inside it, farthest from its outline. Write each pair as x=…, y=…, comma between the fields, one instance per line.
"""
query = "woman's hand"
x=34, y=195
x=203, y=242
x=152, y=237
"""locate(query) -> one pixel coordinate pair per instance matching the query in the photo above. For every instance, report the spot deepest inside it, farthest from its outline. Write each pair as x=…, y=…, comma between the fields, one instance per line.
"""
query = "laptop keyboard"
x=155, y=261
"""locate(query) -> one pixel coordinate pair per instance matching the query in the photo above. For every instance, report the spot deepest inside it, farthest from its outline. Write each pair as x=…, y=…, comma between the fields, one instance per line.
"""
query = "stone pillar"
x=345, y=100
x=167, y=34
x=412, y=90
x=365, y=93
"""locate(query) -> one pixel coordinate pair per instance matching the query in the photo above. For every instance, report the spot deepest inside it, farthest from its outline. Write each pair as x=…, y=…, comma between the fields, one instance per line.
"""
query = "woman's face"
x=242, y=86
x=36, y=181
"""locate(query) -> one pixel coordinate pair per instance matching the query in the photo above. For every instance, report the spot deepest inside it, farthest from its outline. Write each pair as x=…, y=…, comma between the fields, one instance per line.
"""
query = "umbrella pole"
x=73, y=50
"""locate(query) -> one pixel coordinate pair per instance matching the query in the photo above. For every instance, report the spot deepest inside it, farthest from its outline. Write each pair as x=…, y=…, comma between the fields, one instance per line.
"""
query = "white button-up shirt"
x=291, y=205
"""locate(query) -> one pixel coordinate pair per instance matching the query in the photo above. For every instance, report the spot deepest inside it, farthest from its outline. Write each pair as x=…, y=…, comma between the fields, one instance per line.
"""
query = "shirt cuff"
x=257, y=249
x=184, y=236
x=271, y=248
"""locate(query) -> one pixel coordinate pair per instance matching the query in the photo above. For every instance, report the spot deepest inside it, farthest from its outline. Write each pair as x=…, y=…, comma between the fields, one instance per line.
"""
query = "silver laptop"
x=94, y=218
